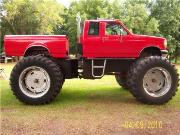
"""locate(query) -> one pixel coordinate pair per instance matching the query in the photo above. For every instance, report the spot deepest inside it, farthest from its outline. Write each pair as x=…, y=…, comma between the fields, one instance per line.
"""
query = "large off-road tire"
x=153, y=80
x=122, y=80
x=36, y=80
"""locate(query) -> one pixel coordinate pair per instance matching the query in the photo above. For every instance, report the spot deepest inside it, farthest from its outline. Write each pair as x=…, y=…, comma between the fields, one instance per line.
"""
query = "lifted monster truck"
x=104, y=47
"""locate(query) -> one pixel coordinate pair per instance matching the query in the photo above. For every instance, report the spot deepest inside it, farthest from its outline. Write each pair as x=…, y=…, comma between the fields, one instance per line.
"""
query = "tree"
x=168, y=14
x=30, y=17
x=135, y=15
x=48, y=14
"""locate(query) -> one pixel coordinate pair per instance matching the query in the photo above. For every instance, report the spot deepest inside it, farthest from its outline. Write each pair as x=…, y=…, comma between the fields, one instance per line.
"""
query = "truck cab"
x=111, y=39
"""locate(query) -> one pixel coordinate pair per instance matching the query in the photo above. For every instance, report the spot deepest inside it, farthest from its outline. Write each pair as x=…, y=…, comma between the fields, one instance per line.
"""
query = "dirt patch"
x=86, y=120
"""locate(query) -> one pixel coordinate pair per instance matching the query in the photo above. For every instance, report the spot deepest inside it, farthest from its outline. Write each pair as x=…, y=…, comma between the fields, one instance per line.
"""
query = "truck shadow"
x=107, y=95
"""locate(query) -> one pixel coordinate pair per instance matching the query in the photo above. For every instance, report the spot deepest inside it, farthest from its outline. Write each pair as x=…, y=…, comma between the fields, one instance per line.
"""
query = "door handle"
x=104, y=38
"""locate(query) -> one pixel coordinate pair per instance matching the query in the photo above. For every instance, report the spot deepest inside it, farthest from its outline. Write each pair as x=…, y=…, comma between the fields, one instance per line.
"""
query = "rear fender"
x=37, y=45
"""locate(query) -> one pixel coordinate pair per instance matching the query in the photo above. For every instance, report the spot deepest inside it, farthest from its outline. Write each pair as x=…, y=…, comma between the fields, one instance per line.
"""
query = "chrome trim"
x=157, y=82
x=34, y=82
x=95, y=67
x=164, y=53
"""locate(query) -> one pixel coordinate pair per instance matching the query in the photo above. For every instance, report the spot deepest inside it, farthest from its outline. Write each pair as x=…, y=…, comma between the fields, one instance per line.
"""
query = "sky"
x=66, y=3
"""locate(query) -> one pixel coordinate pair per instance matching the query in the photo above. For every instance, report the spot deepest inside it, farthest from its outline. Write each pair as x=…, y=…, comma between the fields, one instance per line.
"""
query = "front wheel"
x=36, y=80
x=153, y=80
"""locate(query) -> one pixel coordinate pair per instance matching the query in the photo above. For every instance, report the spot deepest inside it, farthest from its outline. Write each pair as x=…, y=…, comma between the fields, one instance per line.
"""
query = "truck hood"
x=146, y=37
x=151, y=40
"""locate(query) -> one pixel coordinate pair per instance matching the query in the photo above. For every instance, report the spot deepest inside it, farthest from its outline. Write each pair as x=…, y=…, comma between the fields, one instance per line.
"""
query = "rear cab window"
x=93, y=29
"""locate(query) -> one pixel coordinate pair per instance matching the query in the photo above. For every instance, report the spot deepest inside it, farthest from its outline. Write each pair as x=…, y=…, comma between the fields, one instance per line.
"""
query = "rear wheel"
x=122, y=79
x=153, y=80
x=36, y=80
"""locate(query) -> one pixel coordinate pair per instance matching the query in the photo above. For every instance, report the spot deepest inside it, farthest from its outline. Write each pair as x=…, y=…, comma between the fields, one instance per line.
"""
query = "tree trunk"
x=2, y=40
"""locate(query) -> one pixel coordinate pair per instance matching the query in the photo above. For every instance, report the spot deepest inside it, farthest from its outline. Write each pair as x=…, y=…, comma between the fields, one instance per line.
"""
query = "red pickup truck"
x=105, y=47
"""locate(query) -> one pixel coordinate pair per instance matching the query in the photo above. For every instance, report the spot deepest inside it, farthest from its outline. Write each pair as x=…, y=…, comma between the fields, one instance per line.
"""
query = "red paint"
x=16, y=45
x=121, y=46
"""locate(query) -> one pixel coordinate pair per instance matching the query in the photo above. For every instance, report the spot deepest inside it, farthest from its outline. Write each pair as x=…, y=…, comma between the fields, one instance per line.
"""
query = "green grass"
x=85, y=107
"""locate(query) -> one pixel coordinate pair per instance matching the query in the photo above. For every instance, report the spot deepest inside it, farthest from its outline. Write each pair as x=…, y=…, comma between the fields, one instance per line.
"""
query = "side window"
x=114, y=29
x=93, y=28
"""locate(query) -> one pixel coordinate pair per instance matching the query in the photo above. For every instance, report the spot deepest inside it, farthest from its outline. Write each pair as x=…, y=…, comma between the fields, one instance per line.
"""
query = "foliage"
x=150, y=17
x=136, y=17
x=30, y=16
x=168, y=14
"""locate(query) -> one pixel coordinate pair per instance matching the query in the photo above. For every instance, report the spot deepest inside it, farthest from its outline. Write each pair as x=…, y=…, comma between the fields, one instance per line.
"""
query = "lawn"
x=88, y=107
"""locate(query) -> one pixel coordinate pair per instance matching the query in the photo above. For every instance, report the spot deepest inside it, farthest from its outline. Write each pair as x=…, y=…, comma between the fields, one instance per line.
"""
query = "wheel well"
x=150, y=51
x=35, y=50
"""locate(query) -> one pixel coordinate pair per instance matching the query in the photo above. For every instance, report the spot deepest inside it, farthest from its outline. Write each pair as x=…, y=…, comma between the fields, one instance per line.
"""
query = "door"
x=113, y=41
x=92, y=42
x=107, y=40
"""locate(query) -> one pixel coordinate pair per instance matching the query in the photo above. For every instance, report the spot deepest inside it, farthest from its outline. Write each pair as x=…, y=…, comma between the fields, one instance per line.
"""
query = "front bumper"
x=164, y=53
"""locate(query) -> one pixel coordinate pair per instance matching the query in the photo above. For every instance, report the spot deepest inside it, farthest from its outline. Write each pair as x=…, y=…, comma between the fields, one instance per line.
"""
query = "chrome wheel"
x=157, y=82
x=34, y=82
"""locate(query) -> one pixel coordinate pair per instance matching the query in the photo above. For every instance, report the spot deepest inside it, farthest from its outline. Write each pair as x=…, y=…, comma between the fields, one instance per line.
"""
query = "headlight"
x=165, y=43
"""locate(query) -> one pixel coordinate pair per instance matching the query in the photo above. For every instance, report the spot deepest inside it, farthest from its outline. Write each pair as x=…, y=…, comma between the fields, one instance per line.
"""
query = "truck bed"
x=17, y=45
